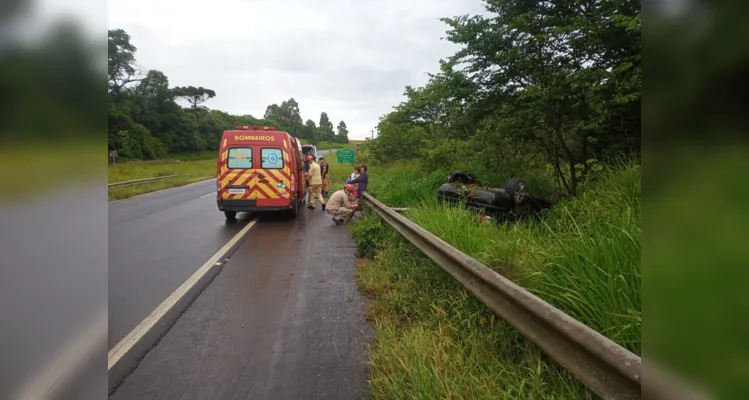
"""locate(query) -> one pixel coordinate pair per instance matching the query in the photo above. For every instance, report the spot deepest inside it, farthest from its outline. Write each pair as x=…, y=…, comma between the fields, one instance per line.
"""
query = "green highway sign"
x=346, y=156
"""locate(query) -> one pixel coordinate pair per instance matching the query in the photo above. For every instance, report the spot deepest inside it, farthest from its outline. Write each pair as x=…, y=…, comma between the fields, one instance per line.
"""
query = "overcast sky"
x=349, y=58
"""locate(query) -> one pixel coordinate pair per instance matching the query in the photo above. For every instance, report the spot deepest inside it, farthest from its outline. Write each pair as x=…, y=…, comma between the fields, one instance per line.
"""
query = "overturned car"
x=509, y=200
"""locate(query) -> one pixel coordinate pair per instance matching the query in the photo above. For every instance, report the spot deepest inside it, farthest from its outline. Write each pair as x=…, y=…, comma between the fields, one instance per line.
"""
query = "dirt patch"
x=362, y=263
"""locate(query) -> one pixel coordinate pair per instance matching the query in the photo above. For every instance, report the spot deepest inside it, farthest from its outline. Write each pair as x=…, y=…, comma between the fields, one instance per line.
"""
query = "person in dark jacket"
x=361, y=182
x=324, y=172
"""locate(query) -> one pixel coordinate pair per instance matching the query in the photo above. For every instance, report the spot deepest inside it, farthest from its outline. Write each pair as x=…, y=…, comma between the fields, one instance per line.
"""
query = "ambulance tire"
x=230, y=215
x=294, y=212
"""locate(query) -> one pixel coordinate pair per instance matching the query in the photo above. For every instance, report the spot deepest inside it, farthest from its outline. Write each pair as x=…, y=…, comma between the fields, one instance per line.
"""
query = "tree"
x=291, y=115
x=194, y=95
x=308, y=132
x=534, y=85
x=326, y=127
x=286, y=116
x=342, y=133
x=121, y=63
x=561, y=72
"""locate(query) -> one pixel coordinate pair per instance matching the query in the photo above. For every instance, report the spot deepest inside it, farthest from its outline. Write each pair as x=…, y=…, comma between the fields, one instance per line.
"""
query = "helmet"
x=309, y=158
x=349, y=187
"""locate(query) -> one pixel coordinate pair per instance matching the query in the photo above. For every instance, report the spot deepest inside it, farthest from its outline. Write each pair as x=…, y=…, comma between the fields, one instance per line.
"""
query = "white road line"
x=119, y=350
x=61, y=369
x=209, y=194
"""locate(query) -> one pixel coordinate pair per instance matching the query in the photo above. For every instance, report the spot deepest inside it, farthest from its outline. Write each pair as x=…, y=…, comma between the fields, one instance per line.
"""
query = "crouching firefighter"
x=339, y=206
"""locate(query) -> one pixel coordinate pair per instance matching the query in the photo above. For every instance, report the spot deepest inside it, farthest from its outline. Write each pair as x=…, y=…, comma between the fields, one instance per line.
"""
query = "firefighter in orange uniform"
x=315, y=184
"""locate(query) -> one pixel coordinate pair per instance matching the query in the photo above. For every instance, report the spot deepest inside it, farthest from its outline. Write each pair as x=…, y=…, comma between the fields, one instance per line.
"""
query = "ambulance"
x=259, y=169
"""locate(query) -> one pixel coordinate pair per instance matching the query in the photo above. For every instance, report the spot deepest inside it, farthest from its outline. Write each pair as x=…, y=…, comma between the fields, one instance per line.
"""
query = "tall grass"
x=436, y=341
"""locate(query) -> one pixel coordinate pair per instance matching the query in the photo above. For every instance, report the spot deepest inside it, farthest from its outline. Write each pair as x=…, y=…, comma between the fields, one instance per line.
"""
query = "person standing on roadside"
x=315, y=184
x=361, y=182
x=339, y=206
x=324, y=173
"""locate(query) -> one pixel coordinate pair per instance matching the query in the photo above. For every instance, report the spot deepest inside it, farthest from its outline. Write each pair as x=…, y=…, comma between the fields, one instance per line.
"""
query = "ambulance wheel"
x=294, y=210
x=230, y=215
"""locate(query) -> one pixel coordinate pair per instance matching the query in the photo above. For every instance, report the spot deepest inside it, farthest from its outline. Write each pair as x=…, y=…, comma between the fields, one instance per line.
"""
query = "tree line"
x=145, y=121
x=537, y=87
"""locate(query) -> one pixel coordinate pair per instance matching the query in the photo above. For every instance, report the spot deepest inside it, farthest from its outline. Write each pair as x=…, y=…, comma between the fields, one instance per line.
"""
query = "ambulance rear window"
x=272, y=158
x=240, y=158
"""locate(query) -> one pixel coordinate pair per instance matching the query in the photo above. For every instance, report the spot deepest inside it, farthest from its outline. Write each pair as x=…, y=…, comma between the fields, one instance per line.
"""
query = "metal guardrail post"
x=607, y=369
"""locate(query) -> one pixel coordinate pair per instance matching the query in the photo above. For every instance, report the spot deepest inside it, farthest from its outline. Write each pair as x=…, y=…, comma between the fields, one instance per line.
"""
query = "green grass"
x=338, y=173
x=35, y=168
x=436, y=341
x=187, y=171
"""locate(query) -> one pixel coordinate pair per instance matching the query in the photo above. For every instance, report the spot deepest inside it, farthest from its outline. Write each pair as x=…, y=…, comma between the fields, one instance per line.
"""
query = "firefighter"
x=339, y=206
x=324, y=172
x=314, y=179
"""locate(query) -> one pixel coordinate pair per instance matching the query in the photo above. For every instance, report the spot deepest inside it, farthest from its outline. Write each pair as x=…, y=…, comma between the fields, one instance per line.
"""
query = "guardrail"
x=607, y=369
x=137, y=181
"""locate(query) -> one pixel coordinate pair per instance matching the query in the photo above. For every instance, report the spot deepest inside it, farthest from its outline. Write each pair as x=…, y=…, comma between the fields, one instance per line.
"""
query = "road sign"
x=346, y=156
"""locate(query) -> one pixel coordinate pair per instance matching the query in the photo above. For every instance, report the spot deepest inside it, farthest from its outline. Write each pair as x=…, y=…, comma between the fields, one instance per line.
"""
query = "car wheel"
x=517, y=190
x=230, y=215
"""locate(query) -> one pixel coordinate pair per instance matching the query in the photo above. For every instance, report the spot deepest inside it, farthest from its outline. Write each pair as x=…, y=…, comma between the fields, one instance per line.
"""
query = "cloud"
x=351, y=59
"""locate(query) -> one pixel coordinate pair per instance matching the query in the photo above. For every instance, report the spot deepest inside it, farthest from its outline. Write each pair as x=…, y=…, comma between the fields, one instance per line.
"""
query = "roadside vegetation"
x=24, y=164
x=561, y=110
x=434, y=339
x=186, y=171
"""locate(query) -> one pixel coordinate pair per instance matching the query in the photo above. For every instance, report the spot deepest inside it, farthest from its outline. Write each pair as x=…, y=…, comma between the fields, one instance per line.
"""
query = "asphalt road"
x=282, y=320
x=156, y=242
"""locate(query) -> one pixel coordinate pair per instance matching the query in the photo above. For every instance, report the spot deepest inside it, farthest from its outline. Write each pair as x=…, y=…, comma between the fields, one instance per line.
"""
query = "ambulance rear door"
x=239, y=180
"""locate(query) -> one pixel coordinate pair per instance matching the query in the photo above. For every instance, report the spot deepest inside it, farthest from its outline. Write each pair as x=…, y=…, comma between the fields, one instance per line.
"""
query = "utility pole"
x=372, y=133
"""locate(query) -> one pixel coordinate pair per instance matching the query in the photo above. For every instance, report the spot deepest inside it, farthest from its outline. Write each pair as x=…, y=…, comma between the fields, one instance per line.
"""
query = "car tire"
x=230, y=215
x=517, y=189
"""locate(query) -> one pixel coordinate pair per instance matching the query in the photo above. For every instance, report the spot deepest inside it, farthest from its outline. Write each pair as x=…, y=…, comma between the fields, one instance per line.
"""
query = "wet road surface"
x=53, y=259
x=282, y=320
x=156, y=242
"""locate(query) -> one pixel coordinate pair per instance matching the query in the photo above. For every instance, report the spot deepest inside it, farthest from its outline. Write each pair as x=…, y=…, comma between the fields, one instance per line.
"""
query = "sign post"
x=346, y=156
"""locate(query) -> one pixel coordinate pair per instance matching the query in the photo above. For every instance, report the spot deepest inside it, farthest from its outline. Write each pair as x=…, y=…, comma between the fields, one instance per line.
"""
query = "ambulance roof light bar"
x=255, y=128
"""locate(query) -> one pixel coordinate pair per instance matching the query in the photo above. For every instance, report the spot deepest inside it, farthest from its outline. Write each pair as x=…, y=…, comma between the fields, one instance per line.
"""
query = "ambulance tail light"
x=218, y=182
x=292, y=183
